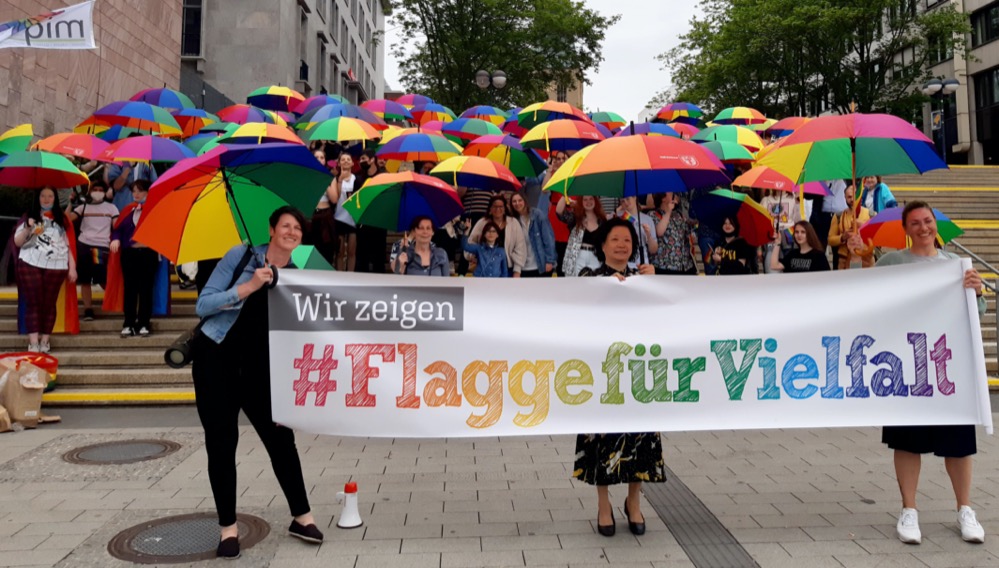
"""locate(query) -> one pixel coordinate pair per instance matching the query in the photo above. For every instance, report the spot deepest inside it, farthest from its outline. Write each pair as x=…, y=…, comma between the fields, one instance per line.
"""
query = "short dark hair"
x=98, y=184
x=286, y=210
x=604, y=232
x=735, y=223
x=912, y=206
x=371, y=154
x=419, y=219
x=485, y=229
x=140, y=184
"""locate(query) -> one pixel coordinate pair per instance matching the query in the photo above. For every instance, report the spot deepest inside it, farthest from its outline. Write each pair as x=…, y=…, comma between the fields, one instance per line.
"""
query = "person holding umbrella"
x=583, y=218
x=608, y=459
x=232, y=372
x=844, y=234
x=955, y=443
x=138, y=265
x=418, y=255
x=45, y=260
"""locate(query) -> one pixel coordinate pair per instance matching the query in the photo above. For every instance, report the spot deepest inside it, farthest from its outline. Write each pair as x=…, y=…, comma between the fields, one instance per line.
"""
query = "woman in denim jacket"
x=490, y=257
x=541, y=257
x=232, y=373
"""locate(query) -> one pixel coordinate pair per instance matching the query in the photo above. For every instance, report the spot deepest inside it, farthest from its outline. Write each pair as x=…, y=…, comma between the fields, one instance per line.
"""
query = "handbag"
x=181, y=352
x=78, y=222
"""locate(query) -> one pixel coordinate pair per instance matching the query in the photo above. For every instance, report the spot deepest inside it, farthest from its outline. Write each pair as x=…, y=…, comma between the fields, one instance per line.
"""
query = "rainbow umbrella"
x=203, y=206
x=762, y=177
x=141, y=116
x=731, y=133
x=197, y=142
x=118, y=132
x=511, y=126
x=17, y=139
x=786, y=126
x=35, y=170
x=419, y=148
x=220, y=128
x=537, y=113
x=685, y=113
x=312, y=103
x=508, y=151
x=487, y=113
x=396, y=132
x=432, y=126
x=306, y=257
x=411, y=100
x=561, y=134
x=886, y=229
x=756, y=225
x=275, y=97
x=388, y=110
x=648, y=129
x=327, y=112
x=242, y=114
x=739, y=115
x=259, y=133
x=728, y=152
x=477, y=173
x=464, y=130
x=192, y=120
x=73, y=145
x=392, y=201
x=636, y=166
x=686, y=131
x=432, y=111
x=342, y=129
x=163, y=97
x=609, y=120
x=145, y=149
x=853, y=146
x=762, y=126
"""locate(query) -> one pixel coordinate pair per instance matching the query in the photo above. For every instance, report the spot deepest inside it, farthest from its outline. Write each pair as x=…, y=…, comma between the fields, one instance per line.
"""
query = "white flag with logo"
x=71, y=27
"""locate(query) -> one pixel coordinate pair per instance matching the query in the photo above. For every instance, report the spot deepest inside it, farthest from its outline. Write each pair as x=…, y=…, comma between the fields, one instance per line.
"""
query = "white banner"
x=405, y=356
x=71, y=27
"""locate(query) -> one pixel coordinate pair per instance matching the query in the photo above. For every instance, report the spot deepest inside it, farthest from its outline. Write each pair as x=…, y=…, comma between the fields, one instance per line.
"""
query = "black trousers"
x=138, y=271
x=224, y=385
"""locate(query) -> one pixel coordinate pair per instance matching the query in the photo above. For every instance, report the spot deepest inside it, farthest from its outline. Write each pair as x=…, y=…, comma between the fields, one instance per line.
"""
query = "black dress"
x=608, y=459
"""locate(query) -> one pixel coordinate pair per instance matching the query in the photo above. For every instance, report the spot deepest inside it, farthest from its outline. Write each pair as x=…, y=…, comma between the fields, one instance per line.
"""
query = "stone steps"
x=117, y=376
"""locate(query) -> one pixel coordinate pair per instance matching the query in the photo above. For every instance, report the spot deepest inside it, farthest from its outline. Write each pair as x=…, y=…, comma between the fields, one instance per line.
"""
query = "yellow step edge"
x=993, y=382
x=930, y=188
x=974, y=167
x=187, y=396
x=99, y=295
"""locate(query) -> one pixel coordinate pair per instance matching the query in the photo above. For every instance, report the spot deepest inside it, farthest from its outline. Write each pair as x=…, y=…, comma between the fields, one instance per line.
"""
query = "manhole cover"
x=184, y=538
x=128, y=451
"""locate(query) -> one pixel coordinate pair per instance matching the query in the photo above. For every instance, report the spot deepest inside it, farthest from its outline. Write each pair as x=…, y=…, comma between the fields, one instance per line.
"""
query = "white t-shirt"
x=346, y=189
x=48, y=250
x=95, y=228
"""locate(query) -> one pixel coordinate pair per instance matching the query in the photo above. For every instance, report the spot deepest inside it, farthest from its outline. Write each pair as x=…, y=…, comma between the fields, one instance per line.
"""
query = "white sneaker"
x=44, y=347
x=908, y=526
x=34, y=348
x=971, y=531
x=127, y=332
x=143, y=331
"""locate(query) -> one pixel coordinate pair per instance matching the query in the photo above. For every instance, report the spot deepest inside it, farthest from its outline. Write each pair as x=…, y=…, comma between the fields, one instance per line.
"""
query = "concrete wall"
x=138, y=42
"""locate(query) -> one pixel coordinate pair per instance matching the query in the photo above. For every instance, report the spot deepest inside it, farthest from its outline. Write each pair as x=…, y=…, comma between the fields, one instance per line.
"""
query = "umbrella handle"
x=274, y=281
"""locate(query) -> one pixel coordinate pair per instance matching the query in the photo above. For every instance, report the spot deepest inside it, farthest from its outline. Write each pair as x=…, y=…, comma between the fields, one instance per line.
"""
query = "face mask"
x=140, y=201
x=46, y=208
x=97, y=196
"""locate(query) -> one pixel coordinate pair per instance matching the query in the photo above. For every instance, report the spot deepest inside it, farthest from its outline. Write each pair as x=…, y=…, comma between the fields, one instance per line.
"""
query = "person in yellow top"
x=844, y=232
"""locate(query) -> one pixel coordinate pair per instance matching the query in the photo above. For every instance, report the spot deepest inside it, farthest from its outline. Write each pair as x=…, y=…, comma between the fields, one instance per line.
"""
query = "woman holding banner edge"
x=231, y=372
x=955, y=443
x=609, y=459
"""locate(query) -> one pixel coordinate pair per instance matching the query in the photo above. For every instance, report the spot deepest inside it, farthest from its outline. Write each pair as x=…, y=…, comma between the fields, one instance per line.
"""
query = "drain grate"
x=127, y=451
x=180, y=539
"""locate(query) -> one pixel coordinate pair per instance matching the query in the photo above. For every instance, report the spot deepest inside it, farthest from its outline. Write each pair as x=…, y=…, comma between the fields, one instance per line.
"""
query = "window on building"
x=987, y=88
x=561, y=93
x=353, y=10
x=334, y=20
x=985, y=25
x=939, y=49
x=191, y=17
x=321, y=76
x=303, y=40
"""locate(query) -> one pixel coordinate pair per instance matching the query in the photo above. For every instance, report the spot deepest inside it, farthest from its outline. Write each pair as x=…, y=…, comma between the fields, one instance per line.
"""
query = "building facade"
x=971, y=117
x=572, y=95
x=313, y=46
x=137, y=46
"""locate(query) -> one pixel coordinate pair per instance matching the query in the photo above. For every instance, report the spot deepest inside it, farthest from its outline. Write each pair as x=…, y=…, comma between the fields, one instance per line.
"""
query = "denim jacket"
x=542, y=239
x=219, y=307
x=491, y=261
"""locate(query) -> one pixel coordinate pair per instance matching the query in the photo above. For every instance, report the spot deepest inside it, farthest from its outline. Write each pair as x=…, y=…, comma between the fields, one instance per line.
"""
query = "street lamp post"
x=941, y=89
x=485, y=80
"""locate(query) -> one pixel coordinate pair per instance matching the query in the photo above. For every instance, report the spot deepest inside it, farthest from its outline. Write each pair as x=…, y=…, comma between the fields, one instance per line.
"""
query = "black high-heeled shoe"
x=607, y=530
x=636, y=529
x=228, y=548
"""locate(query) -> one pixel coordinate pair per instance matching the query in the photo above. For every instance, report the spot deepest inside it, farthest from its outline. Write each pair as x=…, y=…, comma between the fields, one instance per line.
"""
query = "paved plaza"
x=801, y=498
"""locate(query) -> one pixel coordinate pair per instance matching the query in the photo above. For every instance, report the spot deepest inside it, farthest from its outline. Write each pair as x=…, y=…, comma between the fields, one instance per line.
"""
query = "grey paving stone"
x=21, y=542
x=556, y=527
x=403, y=532
x=858, y=532
x=47, y=557
x=823, y=548
x=481, y=530
x=772, y=535
x=880, y=561
x=420, y=560
x=464, y=544
x=579, y=556
x=958, y=559
x=520, y=542
x=514, y=516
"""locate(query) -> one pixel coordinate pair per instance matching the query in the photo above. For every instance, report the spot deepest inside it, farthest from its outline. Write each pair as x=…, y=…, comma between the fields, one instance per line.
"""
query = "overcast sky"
x=629, y=75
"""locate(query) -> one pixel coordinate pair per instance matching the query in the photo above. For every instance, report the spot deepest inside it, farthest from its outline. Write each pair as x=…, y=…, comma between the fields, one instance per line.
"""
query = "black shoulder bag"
x=181, y=352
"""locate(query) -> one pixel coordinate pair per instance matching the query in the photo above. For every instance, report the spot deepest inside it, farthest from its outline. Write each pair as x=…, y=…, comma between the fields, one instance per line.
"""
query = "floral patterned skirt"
x=608, y=459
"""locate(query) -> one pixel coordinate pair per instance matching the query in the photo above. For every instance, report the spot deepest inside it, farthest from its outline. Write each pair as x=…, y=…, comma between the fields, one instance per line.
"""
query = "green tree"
x=537, y=43
x=781, y=56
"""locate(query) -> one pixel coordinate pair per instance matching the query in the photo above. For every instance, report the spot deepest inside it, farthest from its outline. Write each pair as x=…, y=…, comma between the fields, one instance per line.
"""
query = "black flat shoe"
x=228, y=548
x=607, y=530
x=636, y=529
x=308, y=533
